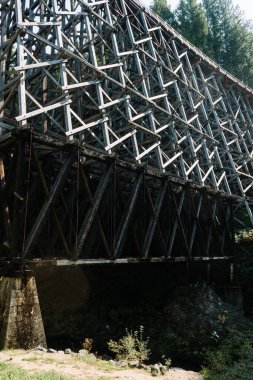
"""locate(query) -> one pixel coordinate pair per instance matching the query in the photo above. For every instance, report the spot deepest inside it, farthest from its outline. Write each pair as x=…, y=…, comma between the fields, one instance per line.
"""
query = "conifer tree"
x=216, y=27
x=162, y=8
x=230, y=38
x=192, y=23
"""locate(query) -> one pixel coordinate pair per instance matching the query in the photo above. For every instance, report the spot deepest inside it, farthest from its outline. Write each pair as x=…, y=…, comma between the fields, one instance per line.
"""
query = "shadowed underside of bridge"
x=119, y=139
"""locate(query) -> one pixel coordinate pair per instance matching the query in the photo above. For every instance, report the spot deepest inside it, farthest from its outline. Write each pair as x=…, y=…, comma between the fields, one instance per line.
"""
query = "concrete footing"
x=21, y=324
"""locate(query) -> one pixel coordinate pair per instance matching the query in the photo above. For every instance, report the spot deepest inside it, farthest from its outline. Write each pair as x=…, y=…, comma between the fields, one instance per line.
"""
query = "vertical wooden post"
x=5, y=207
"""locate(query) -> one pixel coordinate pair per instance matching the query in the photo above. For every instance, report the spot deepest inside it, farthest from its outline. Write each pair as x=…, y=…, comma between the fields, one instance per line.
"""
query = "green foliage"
x=195, y=321
x=192, y=23
x=162, y=8
x=230, y=38
x=131, y=346
x=167, y=361
x=10, y=372
x=244, y=240
x=216, y=27
x=232, y=359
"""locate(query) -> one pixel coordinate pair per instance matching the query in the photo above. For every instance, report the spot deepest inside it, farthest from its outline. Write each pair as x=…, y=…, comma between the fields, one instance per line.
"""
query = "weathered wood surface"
x=156, y=138
x=67, y=205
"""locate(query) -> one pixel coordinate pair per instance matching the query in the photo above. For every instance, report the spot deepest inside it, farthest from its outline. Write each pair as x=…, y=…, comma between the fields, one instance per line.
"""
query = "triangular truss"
x=114, y=76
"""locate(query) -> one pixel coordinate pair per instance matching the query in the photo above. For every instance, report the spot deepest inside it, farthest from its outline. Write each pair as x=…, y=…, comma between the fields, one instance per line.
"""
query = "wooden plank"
x=129, y=260
x=18, y=201
x=5, y=208
x=125, y=220
x=57, y=220
x=90, y=215
x=154, y=220
x=101, y=230
x=47, y=207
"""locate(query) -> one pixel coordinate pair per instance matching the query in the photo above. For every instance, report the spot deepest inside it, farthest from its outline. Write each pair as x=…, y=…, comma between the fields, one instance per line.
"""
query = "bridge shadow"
x=100, y=302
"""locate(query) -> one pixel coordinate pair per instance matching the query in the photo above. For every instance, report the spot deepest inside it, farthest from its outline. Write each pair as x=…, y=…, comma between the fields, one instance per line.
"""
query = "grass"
x=101, y=364
x=31, y=359
x=11, y=372
x=45, y=360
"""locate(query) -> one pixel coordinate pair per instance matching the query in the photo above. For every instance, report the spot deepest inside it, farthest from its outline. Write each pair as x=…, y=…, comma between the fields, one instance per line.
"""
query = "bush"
x=131, y=346
x=196, y=320
x=232, y=360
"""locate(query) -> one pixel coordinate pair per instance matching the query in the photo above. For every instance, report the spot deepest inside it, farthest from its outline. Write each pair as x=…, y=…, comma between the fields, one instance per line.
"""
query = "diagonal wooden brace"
x=85, y=228
x=42, y=216
x=153, y=222
x=121, y=234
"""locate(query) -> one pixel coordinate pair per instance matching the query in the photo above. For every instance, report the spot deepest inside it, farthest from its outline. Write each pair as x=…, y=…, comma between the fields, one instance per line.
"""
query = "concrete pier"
x=21, y=324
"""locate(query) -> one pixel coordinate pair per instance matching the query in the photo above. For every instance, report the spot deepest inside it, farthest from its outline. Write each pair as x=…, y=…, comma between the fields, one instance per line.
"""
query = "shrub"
x=232, y=360
x=131, y=346
x=87, y=344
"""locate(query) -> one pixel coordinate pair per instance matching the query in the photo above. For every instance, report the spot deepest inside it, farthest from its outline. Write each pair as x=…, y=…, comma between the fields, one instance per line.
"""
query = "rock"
x=143, y=366
x=92, y=357
x=196, y=314
x=40, y=348
x=163, y=369
x=106, y=357
x=51, y=351
x=113, y=362
x=122, y=363
x=133, y=363
x=82, y=353
x=155, y=370
x=67, y=351
x=60, y=352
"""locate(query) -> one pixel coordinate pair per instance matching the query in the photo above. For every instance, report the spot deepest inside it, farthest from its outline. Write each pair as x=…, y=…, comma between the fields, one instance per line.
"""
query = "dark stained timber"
x=154, y=219
x=90, y=214
x=79, y=207
x=118, y=138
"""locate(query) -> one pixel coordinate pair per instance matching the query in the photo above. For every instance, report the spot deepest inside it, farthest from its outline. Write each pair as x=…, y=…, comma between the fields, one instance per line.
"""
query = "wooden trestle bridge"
x=119, y=140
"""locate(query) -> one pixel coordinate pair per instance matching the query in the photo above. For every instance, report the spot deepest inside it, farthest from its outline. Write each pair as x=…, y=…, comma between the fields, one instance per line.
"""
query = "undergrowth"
x=232, y=359
x=131, y=346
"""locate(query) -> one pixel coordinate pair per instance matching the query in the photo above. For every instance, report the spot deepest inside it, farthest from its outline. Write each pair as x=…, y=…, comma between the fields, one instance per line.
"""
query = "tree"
x=216, y=27
x=230, y=38
x=192, y=23
x=162, y=8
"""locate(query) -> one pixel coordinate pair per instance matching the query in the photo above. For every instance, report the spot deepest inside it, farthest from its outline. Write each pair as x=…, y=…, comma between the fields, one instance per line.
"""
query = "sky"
x=245, y=5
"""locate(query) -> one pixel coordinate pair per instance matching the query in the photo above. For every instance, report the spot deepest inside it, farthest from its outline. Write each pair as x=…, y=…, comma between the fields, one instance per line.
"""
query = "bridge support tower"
x=21, y=324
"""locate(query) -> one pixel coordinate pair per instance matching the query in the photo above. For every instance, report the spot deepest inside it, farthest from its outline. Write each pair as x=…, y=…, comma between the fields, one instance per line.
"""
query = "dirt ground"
x=84, y=368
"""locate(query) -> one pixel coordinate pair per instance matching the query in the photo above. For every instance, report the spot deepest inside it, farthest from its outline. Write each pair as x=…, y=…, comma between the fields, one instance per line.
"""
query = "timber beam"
x=79, y=208
x=112, y=79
